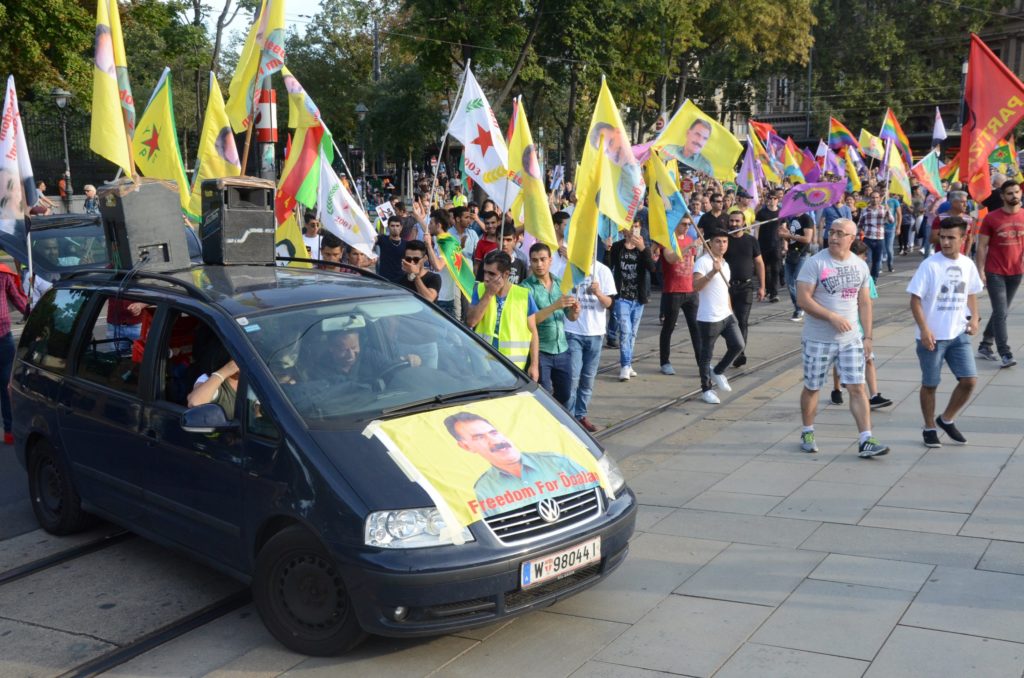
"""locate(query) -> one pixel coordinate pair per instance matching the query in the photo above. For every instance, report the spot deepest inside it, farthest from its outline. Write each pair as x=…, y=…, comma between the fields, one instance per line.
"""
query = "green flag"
x=460, y=268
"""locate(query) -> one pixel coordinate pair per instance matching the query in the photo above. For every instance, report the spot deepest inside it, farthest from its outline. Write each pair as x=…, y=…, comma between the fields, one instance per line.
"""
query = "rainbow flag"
x=891, y=130
x=839, y=136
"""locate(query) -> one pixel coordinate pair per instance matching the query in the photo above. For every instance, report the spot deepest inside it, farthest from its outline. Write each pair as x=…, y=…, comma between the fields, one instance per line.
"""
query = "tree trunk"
x=222, y=21
x=684, y=70
x=570, y=131
x=521, y=59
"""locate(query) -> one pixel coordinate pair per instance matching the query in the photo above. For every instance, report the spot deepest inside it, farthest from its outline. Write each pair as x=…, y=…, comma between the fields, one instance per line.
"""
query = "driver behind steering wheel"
x=354, y=363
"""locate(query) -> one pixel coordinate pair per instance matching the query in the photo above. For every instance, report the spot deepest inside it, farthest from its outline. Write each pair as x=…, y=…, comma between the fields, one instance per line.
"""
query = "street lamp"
x=62, y=98
x=361, y=111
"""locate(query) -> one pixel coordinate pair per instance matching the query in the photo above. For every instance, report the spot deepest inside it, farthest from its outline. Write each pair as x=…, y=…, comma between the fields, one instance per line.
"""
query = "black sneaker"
x=837, y=397
x=931, y=438
x=878, y=400
x=1007, y=361
x=740, y=361
x=951, y=430
x=985, y=353
x=611, y=343
x=872, y=448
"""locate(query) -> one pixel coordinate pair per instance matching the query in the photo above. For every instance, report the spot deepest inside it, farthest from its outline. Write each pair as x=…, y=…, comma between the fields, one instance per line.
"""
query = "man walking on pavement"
x=944, y=300
x=714, y=316
x=585, y=335
x=1001, y=263
x=678, y=293
x=834, y=291
x=554, y=308
x=747, y=267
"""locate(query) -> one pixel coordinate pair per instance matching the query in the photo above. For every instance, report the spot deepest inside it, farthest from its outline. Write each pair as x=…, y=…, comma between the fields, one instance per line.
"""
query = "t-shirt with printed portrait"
x=943, y=285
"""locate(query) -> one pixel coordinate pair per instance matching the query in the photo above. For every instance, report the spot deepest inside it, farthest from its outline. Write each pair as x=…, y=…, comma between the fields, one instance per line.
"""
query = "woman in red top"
x=677, y=292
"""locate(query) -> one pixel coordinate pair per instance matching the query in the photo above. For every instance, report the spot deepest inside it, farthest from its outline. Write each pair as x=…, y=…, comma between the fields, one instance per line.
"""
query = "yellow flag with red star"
x=155, y=145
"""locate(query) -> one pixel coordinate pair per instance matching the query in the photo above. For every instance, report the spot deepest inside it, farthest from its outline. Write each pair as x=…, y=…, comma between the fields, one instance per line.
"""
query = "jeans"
x=876, y=246
x=926, y=236
x=627, y=314
x=742, y=297
x=556, y=375
x=792, y=270
x=585, y=354
x=446, y=306
x=612, y=328
x=6, y=366
x=771, y=276
x=890, y=238
x=709, y=333
x=1001, y=289
x=127, y=332
x=688, y=302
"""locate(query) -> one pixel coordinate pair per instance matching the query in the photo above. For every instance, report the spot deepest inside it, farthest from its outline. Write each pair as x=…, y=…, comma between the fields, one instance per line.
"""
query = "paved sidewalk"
x=754, y=559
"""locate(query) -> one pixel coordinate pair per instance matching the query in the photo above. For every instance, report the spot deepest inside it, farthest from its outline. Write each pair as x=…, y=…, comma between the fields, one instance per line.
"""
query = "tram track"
x=219, y=608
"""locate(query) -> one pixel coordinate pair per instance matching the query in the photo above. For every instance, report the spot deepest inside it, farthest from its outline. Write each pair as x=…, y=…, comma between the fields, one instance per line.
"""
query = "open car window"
x=355, y=360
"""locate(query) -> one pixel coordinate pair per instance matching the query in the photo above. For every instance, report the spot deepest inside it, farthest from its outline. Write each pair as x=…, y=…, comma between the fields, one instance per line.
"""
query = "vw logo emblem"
x=548, y=510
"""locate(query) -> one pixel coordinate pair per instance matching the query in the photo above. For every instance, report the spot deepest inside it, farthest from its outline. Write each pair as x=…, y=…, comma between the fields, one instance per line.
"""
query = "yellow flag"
x=156, y=142
x=262, y=55
x=218, y=156
x=530, y=208
x=108, y=136
x=583, y=225
x=768, y=163
x=871, y=145
x=700, y=142
x=623, y=194
x=289, y=243
x=851, y=172
x=899, y=182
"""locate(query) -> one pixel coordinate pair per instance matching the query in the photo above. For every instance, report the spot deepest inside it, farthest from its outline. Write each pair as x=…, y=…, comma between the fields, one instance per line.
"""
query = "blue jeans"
x=127, y=332
x=585, y=354
x=627, y=316
x=876, y=246
x=446, y=306
x=6, y=366
x=556, y=375
x=890, y=238
x=1001, y=289
x=791, y=271
x=956, y=353
x=612, y=328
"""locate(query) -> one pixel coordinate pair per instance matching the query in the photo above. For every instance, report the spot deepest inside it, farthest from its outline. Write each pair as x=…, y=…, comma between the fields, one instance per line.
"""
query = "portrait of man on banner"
x=486, y=458
x=700, y=142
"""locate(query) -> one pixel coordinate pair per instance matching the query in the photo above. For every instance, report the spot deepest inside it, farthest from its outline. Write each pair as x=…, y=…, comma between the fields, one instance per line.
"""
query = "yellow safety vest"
x=514, y=332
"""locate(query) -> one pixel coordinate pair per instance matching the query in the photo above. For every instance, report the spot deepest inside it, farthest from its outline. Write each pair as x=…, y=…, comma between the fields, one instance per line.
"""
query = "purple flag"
x=747, y=176
x=774, y=145
x=833, y=165
x=810, y=169
x=808, y=197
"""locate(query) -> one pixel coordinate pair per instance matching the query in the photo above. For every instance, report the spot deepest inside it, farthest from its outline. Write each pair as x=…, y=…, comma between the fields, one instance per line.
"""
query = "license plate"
x=559, y=564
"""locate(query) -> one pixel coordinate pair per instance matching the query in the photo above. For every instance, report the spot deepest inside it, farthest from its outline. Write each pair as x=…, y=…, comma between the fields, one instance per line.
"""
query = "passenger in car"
x=219, y=386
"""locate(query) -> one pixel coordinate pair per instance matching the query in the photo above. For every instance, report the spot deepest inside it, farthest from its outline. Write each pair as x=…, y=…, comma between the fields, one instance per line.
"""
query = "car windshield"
x=69, y=248
x=357, y=360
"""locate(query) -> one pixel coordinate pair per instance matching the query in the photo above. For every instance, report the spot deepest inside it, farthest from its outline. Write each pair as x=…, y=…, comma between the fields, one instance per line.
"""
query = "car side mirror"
x=206, y=418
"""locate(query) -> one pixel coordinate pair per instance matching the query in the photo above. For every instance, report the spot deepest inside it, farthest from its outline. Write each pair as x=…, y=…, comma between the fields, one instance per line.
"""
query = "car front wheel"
x=55, y=501
x=301, y=597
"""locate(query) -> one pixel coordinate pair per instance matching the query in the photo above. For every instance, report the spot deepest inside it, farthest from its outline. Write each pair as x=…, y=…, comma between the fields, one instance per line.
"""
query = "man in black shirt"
x=415, y=276
x=747, y=268
x=799, y=235
x=770, y=244
x=391, y=247
x=716, y=219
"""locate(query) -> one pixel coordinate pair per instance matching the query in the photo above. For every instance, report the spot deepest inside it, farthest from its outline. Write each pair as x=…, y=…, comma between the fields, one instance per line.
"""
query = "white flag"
x=340, y=213
x=939, y=130
x=17, y=188
x=486, y=156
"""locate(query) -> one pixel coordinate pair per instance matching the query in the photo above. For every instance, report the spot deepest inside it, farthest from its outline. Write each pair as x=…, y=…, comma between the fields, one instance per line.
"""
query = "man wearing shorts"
x=833, y=290
x=944, y=299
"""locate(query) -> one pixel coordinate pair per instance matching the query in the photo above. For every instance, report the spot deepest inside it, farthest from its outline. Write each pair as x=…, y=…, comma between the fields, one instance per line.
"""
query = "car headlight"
x=612, y=472
x=409, y=529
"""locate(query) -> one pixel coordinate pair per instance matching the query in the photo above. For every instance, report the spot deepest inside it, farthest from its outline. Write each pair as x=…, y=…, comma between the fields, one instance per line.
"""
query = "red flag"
x=995, y=104
x=762, y=129
x=307, y=145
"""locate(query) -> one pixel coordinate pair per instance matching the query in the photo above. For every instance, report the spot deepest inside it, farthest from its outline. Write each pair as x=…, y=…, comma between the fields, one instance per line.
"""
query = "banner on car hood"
x=489, y=457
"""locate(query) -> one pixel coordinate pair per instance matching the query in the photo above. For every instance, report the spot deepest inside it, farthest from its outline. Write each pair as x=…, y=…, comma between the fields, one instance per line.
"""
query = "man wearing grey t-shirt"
x=833, y=289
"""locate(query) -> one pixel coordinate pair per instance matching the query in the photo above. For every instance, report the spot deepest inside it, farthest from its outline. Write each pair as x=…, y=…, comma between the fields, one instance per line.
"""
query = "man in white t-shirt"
x=833, y=288
x=715, y=318
x=311, y=236
x=585, y=336
x=943, y=298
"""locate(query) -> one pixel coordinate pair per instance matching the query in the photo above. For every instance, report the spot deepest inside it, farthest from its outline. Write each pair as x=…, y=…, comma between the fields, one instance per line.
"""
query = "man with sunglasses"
x=716, y=219
x=415, y=276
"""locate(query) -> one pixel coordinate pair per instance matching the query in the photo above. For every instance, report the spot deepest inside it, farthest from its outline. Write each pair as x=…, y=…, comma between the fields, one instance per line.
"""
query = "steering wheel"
x=393, y=367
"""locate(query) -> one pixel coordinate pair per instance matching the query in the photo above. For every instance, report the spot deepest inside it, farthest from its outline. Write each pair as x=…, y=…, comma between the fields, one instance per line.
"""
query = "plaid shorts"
x=819, y=356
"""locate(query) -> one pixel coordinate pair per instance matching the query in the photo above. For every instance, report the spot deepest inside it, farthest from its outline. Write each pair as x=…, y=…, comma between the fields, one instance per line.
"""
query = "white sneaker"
x=624, y=373
x=710, y=397
x=721, y=382
x=632, y=372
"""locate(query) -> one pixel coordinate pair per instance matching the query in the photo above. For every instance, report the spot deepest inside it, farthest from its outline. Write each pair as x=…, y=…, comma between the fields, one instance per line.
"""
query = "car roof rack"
x=117, y=275
x=337, y=265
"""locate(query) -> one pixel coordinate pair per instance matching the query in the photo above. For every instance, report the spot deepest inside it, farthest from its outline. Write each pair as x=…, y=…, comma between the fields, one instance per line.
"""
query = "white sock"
x=808, y=429
x=864, y=435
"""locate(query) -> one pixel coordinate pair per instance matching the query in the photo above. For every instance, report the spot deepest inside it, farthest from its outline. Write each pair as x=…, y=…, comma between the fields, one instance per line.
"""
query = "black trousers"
x=709, y=333
x=742, y=296
x=772, y=273
x=673, y=302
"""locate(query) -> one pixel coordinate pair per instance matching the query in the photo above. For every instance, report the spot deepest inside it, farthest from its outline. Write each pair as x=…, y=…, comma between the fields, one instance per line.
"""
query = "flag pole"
x=451, y=116
x=516, y=103
x=348, y=172
x=248, y=131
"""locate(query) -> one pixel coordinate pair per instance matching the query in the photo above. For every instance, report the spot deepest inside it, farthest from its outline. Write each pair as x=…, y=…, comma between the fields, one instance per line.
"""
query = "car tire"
x=55, y=501
x=301, y=597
